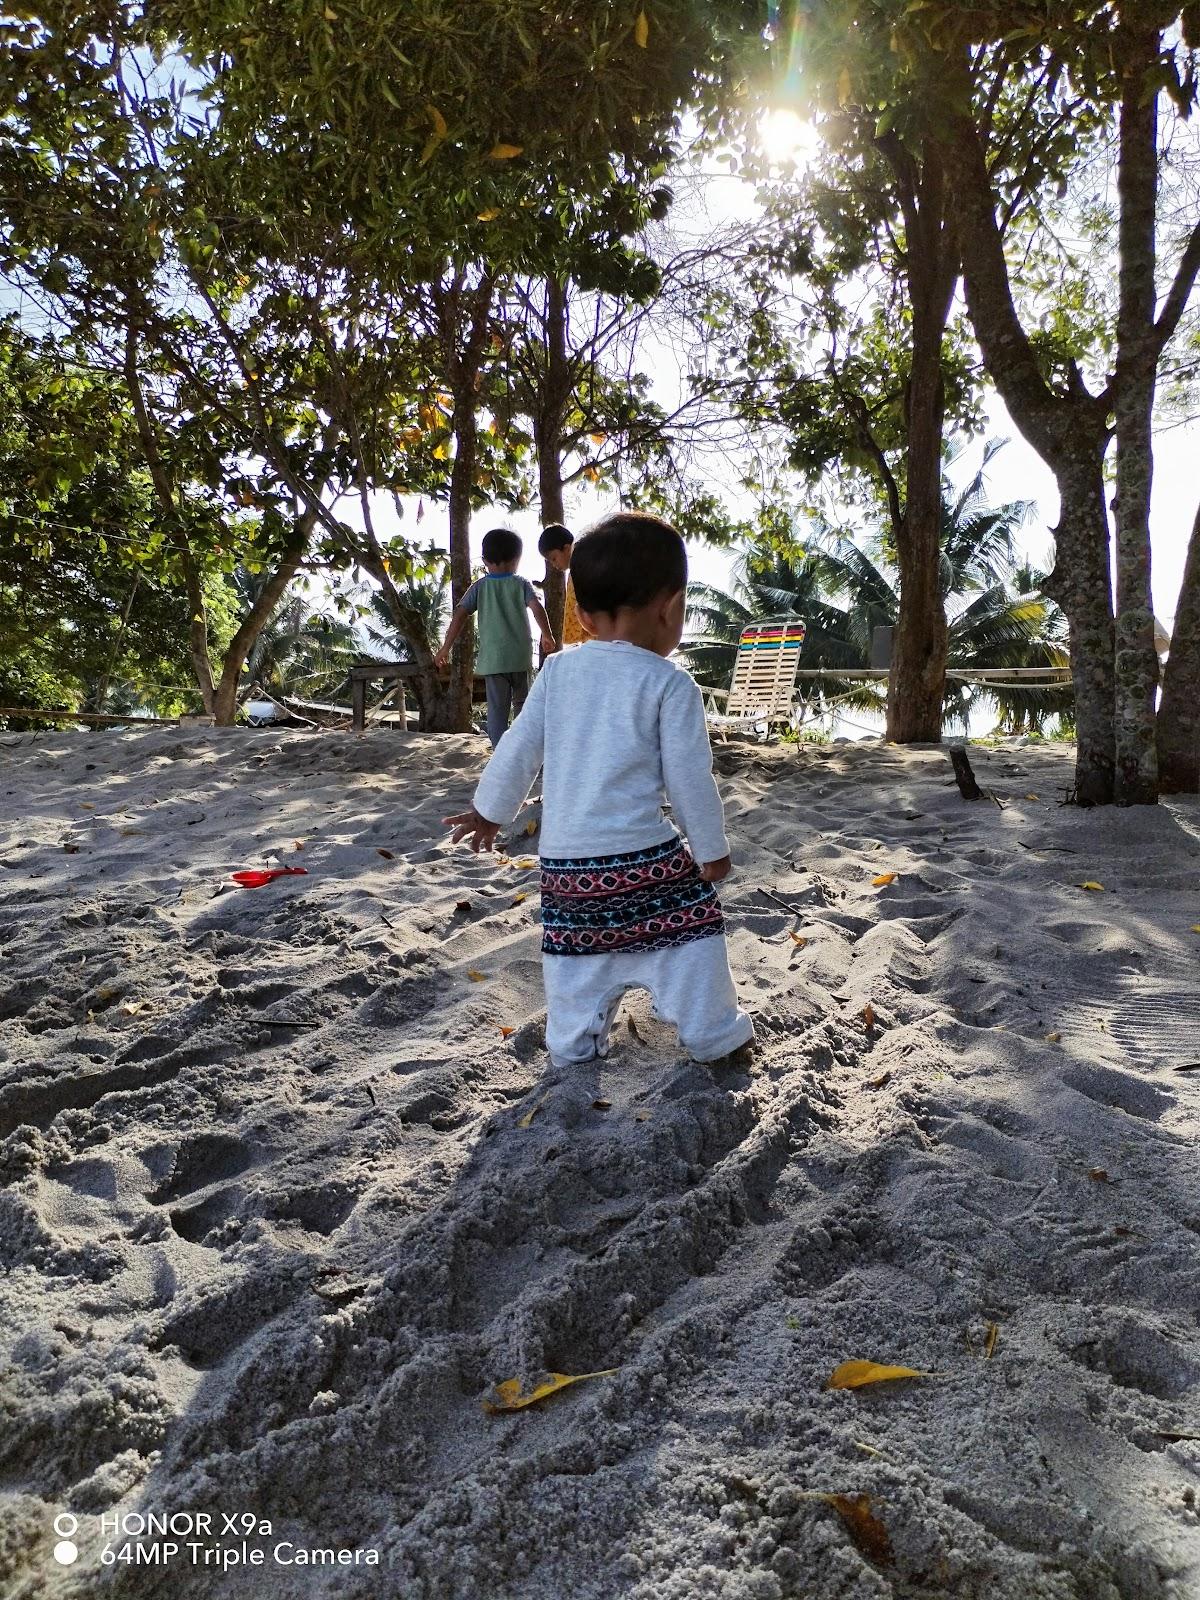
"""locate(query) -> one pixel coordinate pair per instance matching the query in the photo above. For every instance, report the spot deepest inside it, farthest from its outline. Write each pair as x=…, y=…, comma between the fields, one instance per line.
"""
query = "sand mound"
x=276, y=1216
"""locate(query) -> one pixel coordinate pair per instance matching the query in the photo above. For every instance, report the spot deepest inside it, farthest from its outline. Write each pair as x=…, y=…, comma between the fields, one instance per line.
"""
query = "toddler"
x=504, y=658
x=617, y=729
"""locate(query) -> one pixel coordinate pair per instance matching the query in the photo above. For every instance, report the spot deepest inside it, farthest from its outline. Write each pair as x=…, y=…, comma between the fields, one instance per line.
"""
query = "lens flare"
x=786, y=139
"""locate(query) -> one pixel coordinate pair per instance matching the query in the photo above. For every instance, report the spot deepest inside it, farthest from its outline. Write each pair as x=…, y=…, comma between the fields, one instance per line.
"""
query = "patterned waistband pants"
x=645, y=920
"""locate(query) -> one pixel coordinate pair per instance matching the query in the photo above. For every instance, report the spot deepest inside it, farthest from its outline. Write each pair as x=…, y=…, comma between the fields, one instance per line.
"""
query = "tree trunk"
x=1136, y=662
x=465, y=320
x=454, y=704
x=1081, y=584
x=1179, y=712
x=1069, y=430
x=548, y=426
x=917, y=685
x=224, y=706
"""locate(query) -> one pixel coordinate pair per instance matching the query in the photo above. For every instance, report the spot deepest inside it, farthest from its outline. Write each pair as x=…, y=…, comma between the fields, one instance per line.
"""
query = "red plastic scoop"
x=255, y=880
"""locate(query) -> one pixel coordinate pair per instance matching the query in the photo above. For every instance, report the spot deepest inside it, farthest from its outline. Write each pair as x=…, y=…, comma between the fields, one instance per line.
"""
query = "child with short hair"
x=556, y=544
x=617, y=730
x=504, y=658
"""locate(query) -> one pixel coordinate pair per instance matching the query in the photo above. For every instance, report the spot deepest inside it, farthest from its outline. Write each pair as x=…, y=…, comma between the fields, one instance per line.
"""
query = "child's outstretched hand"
x=477, y=830
x=714, y=871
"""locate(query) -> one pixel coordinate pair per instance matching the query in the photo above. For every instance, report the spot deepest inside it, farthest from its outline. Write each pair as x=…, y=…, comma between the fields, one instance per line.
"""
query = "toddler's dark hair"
x=501, y=545
x=628, y=559
x=554, y=537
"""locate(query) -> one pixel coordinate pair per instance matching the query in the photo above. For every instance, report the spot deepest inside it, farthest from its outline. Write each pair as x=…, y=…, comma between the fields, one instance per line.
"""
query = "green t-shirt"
x=503, y=643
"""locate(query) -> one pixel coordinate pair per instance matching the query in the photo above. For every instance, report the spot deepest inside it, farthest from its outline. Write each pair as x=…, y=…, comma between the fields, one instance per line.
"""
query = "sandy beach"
x=289, y=1186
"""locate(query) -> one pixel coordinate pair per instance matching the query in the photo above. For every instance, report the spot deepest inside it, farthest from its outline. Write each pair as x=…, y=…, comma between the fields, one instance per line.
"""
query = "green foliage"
x=27, y=680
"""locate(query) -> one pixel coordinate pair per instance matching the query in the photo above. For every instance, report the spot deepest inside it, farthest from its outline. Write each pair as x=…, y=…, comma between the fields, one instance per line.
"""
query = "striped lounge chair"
x=764, y=674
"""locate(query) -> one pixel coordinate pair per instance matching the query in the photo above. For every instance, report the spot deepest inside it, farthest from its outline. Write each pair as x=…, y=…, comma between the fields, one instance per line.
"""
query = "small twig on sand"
x=796, y=911
x=286, y=1022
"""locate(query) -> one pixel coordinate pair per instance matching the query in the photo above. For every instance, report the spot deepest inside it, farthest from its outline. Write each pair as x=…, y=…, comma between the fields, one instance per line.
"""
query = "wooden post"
x=963, y=775
x=358, y=703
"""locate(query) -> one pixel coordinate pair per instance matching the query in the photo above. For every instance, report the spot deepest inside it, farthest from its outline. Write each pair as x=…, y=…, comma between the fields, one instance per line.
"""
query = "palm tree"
x=774, y=584
x=844, y=592
x=301, y=650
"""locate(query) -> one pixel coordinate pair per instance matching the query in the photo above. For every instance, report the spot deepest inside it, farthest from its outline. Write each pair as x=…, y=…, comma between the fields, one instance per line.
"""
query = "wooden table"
x=388, y=672
x=371, y=672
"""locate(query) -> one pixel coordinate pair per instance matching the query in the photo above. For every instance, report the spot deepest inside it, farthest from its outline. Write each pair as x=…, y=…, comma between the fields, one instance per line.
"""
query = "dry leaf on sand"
x=863, y=1526
x=856, y=1374
x=475, y=975
x=993, y=1333
x=527, y=1120
x=1090, y=884
x=512, y=1394
x=868, y=1016
x=506, y=1033
x=531, y=828
x=884, y=878
x=799, y=940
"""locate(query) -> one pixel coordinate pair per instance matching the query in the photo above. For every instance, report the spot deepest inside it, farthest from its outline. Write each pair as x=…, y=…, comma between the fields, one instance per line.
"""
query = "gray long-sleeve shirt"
x=617, y=731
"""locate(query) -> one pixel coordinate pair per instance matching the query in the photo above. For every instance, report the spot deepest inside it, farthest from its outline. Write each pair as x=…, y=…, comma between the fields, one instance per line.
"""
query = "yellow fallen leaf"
x=855, y=1374
x=512, y=1395
x=297, y=844
x=507, y=1033
x=868, y=1016
x=133, y=1009
x=88, y=805
x=1090, y=885
x=641, y=30
x=526, y=863
x=531, y=827
x=1196, y=927
x=1031, y=797
x=843, y=86
x=475, y=976
x=883, y=880
x=799, y=940
x=504, y=152
x=518, y=898
x=527, y=1120
x=993, y=1333
x=490, y=214
x=330, y=14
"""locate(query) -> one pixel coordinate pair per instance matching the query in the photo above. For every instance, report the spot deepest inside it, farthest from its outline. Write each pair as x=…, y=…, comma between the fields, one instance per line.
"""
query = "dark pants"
x=506, y=693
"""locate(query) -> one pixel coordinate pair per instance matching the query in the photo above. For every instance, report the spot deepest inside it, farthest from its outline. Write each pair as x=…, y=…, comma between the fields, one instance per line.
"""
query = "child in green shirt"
x=504, y=654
